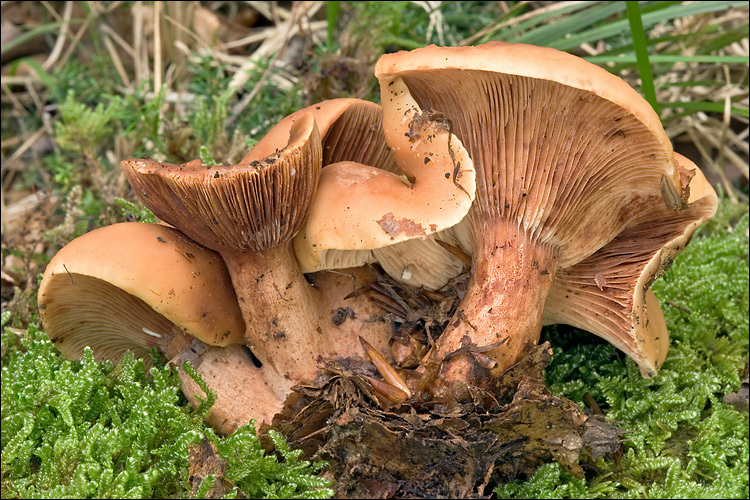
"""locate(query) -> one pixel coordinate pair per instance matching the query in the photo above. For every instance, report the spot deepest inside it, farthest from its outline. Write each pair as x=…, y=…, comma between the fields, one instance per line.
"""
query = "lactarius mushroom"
x=138, y=286
x=570, y=162
x=143, y=286
x=249, y=213
x=385, y=189
x=350, y=130
x=608, y=292
x=364, y=214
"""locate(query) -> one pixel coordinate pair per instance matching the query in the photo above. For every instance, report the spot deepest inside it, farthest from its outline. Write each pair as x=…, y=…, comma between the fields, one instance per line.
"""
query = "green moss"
x=82, y=129
x=682, y=441
x=82, y=429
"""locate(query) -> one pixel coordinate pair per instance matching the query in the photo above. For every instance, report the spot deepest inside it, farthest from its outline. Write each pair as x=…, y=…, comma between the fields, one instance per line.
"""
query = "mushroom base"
x=242, y=390
x=293, y=326
x=349, y=313
x=500, y=318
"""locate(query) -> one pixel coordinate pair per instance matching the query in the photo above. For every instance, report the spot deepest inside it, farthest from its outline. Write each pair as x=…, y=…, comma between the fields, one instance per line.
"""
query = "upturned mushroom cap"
x=249, y=206
x=572, y=162
x=137, y=286
x=362, y=208
x=608, y=292
x=561, y=146
x=350, y=130
x=248, y=213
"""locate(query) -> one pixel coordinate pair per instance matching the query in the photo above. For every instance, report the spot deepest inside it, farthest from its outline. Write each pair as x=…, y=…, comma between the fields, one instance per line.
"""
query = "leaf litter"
x=451, y=443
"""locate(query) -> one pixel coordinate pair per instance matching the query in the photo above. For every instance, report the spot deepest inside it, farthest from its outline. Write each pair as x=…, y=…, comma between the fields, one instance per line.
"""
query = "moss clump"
x=83, y=429
x=683, y=441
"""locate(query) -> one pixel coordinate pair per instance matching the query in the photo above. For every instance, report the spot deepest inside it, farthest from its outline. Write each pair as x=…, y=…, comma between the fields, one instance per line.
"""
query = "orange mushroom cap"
x=361, y=208
x=137, y=286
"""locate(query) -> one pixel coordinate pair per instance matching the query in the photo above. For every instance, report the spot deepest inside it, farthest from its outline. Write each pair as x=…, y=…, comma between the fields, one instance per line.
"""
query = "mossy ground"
x=93, y=430
x=83, y=429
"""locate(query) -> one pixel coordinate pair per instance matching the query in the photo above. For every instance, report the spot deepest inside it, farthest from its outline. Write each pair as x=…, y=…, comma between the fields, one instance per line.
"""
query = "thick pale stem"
x=503, y=305
x=283, y=323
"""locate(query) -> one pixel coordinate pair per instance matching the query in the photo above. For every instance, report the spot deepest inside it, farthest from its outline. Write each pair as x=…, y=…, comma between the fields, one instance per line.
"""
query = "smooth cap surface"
x=363, y=207
x=136, y=286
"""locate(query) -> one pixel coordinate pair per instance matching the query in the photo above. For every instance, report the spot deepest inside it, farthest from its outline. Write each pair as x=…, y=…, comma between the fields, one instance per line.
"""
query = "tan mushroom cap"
x=561, y=147
x=608, y=292
x=362, y=207
x=248, y=206
x=137, y=286
x=350, y=130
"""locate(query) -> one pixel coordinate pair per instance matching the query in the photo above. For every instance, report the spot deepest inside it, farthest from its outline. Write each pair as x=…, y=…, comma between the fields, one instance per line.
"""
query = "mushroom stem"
x=280, y=311
x=502, y=313
x=243, y=390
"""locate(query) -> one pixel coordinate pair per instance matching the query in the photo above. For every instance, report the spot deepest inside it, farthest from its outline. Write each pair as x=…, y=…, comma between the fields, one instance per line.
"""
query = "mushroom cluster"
x=553, y=175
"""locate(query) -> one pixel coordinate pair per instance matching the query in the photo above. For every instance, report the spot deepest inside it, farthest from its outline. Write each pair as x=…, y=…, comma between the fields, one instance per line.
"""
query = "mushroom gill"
x=569, y=158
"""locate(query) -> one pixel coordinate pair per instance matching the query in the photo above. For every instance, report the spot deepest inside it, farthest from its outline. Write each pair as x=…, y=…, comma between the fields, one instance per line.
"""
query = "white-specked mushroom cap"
x=363, y=208
x=137, y=286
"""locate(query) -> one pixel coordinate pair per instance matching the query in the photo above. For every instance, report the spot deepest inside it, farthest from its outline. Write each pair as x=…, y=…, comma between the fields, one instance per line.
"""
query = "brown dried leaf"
x=741, y=398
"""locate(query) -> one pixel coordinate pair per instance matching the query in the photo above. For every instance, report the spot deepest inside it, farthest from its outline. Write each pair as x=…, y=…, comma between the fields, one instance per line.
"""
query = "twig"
x=77, y=38
x=60, y=43
x=116, y=60
x=517, y=19
x=118, y=39
x=138, y=41
x=158, y=69
x=730, y=191
x=26, y=145
x=289, y=32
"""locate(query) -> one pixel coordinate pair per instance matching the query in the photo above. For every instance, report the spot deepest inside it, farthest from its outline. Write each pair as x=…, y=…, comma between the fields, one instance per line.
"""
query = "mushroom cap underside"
x=136, y=286
x=239, y=207
x=609, y=294
x=561, y=147
x=350, y=130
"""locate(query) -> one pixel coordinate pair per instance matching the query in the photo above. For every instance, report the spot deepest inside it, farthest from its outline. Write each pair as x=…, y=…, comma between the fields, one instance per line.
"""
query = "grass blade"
x=44, y=29
x=659, y=58
x=708, y=106
x=641, y=53
x=332, y=15
x=618, y=26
